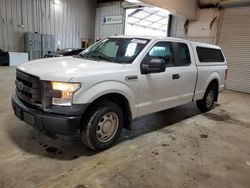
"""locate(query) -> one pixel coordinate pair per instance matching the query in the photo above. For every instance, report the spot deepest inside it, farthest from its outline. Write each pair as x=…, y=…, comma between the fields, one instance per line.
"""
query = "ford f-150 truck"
x=100, y=91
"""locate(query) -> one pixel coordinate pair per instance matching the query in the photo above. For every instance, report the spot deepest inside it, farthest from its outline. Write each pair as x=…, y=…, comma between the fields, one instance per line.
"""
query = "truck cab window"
x=163, y=50
x=183, y=55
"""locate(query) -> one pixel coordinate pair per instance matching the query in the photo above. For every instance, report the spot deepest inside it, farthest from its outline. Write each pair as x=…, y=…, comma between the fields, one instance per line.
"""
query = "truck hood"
x=66, y=68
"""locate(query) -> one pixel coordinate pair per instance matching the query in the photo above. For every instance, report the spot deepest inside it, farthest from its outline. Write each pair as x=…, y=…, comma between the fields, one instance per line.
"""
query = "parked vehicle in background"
x=64, y=52
x=100, y=91
x=4, y=58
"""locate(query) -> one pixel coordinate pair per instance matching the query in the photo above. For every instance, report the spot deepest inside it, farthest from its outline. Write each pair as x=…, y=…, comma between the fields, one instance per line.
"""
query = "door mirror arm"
x=145, y=68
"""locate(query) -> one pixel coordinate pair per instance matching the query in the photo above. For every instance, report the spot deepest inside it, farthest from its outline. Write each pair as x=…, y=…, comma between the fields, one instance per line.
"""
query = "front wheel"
x=208, y=100
x=103, y=126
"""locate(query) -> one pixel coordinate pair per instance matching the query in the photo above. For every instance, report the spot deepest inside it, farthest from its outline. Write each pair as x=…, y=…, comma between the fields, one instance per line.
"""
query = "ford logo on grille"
x=19, y=85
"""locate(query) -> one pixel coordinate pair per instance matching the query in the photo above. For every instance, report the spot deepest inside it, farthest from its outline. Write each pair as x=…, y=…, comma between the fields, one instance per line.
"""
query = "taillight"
x=226, y=74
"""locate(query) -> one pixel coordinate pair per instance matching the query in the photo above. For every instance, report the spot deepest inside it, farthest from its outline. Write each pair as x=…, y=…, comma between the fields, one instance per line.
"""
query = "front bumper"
x=46, y=122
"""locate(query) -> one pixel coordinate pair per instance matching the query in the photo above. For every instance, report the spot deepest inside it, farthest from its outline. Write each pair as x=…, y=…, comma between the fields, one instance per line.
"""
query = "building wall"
x=204, y=29
x=108, y=9
x=187, y=8
x=69, y=21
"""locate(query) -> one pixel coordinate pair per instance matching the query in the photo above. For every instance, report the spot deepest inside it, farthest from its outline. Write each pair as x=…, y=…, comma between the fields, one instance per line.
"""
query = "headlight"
x=67, y=92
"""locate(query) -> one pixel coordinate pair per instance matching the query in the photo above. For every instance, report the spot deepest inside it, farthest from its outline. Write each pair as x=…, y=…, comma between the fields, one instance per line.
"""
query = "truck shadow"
x=159, y=120
x=36, y=143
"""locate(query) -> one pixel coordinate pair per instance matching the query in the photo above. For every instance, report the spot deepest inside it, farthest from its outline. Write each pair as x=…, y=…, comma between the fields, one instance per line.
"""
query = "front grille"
x=28, y=89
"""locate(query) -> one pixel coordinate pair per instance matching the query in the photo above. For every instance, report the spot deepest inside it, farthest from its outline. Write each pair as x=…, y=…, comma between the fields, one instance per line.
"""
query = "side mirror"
x=155, y=65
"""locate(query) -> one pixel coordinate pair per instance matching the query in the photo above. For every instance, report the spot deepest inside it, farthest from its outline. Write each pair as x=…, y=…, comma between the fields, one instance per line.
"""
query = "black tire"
x=207, y=102
x=105, y=114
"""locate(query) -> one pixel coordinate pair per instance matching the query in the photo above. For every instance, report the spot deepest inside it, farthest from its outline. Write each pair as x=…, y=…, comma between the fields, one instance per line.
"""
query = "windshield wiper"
x=84, y=56
x=94, y=55
x=101, y=57
x=79, y=55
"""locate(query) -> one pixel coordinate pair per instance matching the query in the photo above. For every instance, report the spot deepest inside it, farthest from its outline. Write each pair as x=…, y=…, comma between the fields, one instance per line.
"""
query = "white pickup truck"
x=99, y=92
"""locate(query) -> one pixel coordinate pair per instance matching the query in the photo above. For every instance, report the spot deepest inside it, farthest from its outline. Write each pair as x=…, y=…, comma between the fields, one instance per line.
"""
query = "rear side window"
x=183, y=55
x=209, y=55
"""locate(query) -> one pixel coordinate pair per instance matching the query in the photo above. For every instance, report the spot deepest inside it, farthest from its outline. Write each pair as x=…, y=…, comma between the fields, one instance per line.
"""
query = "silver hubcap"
x=210, y=98
x=107, y=127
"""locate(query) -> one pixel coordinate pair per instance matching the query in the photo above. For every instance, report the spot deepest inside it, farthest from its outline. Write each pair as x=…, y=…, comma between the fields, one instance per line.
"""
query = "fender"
x=103, y=88
x=213, y=76
x=199, y=94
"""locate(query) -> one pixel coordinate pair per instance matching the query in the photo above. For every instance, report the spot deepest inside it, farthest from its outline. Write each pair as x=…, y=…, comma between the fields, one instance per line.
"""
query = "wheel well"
x=216, y=85
x=119, y=100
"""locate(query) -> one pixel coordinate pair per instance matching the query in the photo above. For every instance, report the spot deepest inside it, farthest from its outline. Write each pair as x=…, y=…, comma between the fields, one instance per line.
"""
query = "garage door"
x=234, y=38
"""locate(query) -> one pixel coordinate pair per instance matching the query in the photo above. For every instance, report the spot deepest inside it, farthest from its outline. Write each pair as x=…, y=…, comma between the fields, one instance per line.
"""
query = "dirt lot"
x=179, y=147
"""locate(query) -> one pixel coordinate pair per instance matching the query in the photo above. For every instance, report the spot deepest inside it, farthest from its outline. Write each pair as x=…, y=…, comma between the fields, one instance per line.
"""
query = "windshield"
x=117, y=50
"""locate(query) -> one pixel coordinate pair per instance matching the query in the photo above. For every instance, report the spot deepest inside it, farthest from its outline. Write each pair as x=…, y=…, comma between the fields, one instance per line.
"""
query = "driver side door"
x=158, y=91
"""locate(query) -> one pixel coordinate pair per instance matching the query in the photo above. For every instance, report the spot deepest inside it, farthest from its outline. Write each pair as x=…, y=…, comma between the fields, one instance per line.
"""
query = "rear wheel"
x=103, y=126
x=208, y=100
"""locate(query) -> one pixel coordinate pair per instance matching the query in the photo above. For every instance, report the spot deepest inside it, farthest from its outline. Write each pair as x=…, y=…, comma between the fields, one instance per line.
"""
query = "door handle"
x=131, y=77
x=175, y=76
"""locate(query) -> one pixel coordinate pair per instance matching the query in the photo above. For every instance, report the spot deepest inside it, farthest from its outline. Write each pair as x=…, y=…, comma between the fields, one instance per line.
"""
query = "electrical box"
x=33, y=45
x=37, y=45
x=48, y=44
